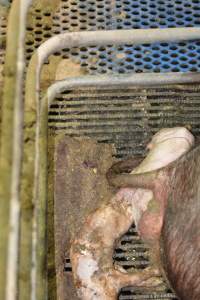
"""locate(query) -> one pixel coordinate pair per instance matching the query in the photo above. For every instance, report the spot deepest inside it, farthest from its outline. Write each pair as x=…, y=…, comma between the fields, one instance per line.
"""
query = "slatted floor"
x=128, y=118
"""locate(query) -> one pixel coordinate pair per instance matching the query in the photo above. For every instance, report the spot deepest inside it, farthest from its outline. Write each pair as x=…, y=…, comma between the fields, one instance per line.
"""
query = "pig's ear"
x=145, y=180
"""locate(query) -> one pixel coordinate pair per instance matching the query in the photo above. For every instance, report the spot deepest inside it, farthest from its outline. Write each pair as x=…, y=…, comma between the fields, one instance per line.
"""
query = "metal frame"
x=38, y=111
x=34, y=169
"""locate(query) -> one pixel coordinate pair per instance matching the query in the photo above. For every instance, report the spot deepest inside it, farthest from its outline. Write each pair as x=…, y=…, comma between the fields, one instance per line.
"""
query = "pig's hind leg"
x=125, y=166
x=119, y=175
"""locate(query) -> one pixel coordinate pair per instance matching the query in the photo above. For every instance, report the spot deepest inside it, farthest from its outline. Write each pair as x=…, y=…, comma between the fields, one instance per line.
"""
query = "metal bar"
x=11, y=143
x=133, y=80
x=99, y=38
x=118, y=37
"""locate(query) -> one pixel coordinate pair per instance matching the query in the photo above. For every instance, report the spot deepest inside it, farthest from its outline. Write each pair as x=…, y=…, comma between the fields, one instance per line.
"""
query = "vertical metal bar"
x=11, y=143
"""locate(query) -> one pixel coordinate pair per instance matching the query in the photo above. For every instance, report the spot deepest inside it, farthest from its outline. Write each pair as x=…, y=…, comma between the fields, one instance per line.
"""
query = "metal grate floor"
x=84, y=15
x=126, y=118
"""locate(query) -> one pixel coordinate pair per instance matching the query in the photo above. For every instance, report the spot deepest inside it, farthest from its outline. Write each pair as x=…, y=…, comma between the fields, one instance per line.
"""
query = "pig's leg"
x=150, y=277
x=125, y=166
x=113, y=282
x=150, y=223
x=145, y=180
x=92, y=250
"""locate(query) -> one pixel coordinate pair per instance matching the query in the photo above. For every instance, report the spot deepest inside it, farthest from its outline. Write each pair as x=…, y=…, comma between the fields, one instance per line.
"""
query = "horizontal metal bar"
x=153, y=93
x=117, y=37
x=109, y=81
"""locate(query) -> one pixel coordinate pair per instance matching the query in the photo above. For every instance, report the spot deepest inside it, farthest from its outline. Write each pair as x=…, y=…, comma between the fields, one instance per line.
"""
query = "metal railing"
x=23, y=173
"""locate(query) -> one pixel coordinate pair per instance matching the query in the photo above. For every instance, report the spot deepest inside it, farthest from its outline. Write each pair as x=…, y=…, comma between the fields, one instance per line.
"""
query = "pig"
x=180, y=235
x=177, y=186
x=95, y=276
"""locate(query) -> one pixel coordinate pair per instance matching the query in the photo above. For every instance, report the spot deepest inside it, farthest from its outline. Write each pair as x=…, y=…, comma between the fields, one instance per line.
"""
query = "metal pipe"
x=11, y=143
x=118, y=37
x=98, y=38
x=33, y=107
x=133, y=80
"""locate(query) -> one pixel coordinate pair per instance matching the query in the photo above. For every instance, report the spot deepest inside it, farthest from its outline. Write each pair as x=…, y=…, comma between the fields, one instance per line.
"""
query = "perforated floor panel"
x=84, y=15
